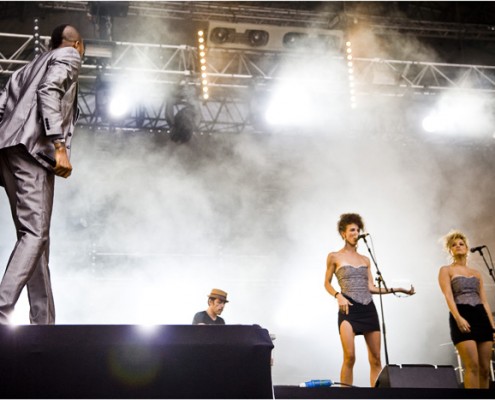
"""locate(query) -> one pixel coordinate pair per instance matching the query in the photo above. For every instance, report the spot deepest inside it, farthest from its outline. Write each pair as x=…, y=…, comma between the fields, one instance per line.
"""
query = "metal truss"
x=443, y=30
x=328, y=17
x=208, y=10
x=235, y=78
x=400, y=77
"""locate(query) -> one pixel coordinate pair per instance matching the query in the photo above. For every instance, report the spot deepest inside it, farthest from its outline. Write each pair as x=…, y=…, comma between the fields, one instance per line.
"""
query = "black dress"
x=466, y=295
x=353, y=282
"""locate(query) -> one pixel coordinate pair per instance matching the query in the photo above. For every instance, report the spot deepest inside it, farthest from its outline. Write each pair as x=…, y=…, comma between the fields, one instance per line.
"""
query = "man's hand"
x=63, y=167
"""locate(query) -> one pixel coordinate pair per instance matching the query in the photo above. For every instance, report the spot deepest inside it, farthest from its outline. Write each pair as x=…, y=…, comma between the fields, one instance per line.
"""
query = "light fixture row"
x=202, y=62
x=350, y=74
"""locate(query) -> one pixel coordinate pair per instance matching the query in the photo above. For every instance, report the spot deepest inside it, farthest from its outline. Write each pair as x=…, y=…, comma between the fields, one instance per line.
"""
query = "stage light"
x=184, y=126
x=294, y=40
x=290, y=105
x=118, y=100
x=258, y=38
x=120, y=105
x=36, y=37
x=350, y=75
x=459, y=114
x=431, y=123
x=202, y=62
x=231, y=35
x=222, y=35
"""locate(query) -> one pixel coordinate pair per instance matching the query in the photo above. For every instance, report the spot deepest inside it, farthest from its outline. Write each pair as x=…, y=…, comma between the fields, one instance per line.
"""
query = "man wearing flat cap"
x=216, y=302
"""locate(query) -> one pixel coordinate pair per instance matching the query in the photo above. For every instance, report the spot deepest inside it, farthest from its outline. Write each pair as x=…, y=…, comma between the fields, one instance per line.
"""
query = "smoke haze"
x=145, y=228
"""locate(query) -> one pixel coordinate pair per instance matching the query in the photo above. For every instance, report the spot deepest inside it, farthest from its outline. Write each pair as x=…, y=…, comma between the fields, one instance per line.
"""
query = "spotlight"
x=257, y=38
x=222, y=35
x=273, y=38
x=119, y=105
x=182, y=112
x=115, y=100
x=36, y=36
x=293, y=40
x=184, y=125
x=431, y=123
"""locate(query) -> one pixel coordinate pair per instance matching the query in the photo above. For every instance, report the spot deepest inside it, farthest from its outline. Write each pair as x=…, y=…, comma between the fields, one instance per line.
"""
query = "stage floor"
x=168, y=362
x=295, y=392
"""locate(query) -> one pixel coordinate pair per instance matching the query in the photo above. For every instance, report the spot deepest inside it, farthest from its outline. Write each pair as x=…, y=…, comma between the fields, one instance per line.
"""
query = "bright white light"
x=290, y=105
x=431, y=123
x=148, y=328
x=458, y=114
x=119, y=105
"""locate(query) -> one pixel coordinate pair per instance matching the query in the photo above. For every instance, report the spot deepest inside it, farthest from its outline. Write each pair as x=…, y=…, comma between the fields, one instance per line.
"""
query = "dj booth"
x=130, y=361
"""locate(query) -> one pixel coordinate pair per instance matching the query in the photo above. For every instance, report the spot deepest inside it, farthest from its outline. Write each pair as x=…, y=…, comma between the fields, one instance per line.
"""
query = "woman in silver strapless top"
x=470, y=318
x=357, y=312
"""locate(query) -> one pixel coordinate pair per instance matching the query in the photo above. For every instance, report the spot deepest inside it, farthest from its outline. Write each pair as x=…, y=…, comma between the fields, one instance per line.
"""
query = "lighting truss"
x=204, y=11
x=325, y=18
x=232, y=76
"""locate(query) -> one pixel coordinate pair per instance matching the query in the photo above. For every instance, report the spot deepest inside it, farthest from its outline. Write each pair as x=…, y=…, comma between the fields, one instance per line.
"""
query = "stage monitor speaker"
x=417, y=376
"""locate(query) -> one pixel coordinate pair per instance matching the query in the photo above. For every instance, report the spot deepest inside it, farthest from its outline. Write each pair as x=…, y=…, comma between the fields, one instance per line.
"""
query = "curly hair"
x=349, y=218
x=449, y=238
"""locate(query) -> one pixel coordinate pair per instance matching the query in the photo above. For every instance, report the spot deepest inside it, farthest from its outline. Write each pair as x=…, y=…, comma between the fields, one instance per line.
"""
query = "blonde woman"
x=471, y=321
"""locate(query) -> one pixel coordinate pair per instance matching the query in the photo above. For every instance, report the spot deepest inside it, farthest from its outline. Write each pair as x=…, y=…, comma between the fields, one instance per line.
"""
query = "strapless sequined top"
x=353, y=282
x=466, y=290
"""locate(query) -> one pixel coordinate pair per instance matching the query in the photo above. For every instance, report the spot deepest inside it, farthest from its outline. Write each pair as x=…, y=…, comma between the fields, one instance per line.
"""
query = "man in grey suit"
x=38, y=111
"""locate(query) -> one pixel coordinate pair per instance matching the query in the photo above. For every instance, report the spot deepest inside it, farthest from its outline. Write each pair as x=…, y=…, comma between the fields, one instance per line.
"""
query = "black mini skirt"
x=481, y=329
x=362, y=317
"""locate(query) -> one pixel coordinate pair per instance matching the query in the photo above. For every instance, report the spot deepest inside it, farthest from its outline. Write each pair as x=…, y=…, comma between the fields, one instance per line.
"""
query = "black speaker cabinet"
x=417, y=376
x=125, y=361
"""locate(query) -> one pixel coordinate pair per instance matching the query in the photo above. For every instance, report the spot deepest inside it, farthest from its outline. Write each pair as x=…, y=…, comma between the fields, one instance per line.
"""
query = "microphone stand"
x=380, y=281
x=490, y=269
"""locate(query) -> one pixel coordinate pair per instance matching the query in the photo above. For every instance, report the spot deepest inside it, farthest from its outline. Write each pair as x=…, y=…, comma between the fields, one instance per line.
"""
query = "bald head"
x=71, y=34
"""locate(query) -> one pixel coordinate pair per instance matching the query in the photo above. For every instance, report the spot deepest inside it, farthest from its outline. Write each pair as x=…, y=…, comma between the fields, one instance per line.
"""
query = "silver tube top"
x=466, y=290
x=353, y=282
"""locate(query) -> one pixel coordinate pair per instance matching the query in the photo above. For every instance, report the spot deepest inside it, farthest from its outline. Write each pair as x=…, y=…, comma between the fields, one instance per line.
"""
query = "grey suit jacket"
x=39, y=103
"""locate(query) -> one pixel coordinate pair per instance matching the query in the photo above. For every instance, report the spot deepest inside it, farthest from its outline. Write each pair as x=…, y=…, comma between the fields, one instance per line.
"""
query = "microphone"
x=362, y=236
x=473, y=249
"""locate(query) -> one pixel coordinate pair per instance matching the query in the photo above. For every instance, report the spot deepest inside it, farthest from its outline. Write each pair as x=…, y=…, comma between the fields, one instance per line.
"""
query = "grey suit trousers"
x=30, y=189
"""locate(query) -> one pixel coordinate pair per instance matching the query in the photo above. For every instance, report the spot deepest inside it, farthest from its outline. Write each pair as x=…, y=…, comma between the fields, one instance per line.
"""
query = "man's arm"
x=62, y=73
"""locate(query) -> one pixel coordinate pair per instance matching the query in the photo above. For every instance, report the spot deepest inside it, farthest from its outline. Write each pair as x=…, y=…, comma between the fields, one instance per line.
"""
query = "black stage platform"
x=295, y=392
x=127, y=361
x=169, y=362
